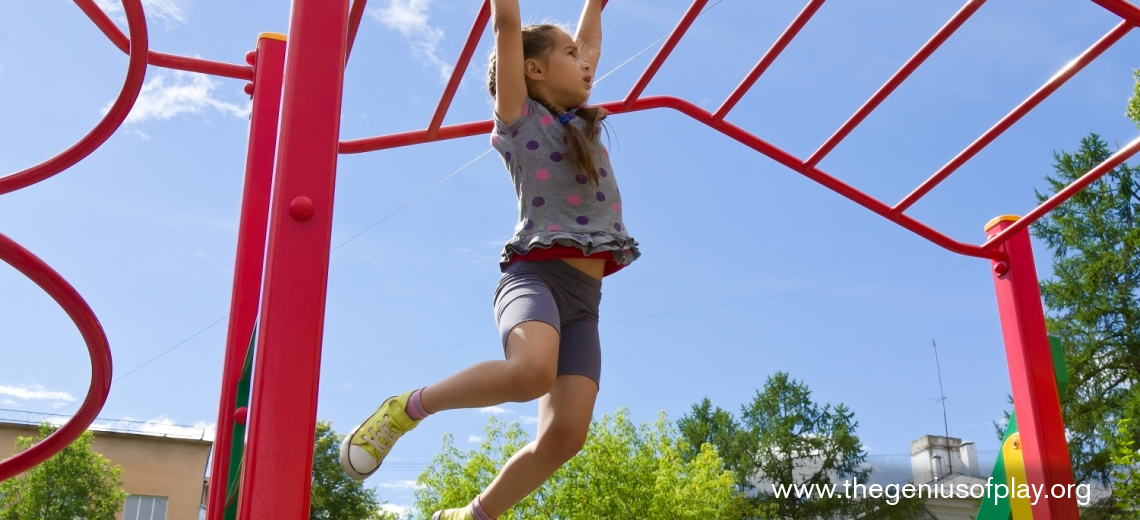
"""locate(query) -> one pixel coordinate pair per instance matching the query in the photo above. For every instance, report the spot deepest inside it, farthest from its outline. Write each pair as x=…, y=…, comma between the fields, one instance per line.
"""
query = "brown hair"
x=537, y=41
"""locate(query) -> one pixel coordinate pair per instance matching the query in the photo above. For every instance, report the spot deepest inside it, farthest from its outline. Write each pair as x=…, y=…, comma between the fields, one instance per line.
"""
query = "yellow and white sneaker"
x=463, y=513
x=364, y=449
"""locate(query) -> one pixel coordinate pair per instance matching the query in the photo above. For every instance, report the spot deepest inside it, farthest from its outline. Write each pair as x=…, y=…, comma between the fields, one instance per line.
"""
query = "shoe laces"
x=381, y=430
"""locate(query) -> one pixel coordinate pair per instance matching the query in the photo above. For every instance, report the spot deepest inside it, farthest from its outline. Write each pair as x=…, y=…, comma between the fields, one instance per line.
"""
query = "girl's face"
x=567, y=78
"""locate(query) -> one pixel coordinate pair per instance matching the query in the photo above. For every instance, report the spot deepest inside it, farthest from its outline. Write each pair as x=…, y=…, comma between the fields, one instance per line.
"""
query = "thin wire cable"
x=677, y=311
x=417, y=197
x=650, y=46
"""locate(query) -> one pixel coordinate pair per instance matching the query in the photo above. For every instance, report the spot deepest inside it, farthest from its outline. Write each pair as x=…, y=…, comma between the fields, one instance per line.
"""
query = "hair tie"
x=565, y=118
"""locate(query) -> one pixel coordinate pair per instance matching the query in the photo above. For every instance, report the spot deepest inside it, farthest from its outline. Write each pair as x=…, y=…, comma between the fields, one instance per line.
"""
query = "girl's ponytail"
x=580, y=145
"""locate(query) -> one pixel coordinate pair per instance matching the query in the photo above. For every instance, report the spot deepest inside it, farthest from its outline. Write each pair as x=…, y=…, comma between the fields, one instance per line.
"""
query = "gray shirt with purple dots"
x=557, y=204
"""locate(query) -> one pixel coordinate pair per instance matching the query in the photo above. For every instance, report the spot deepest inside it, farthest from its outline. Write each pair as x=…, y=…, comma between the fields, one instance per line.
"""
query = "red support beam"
x=1108, y=165
x=355, y=14
x=1123, y=9
x=1029, y=104
x=160, y=59
x=666, y=49
x=283, y=404
x=269, y=67
x=897, y=79
x=770, y=56
x=1034, y=383
x=703, y=116
x=460, y=67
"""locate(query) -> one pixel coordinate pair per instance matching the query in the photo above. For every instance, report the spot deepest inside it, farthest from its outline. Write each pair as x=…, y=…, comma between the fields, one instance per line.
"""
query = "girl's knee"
x=562, y=443
x=532, y=382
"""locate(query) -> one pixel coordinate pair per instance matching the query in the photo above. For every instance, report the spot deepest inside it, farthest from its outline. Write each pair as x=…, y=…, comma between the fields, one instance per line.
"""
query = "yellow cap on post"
x=1003, y=218
x=272, y=36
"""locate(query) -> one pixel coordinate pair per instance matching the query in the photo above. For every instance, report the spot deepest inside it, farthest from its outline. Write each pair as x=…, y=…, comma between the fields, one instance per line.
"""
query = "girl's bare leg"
x=563, y=422
x=527, y=374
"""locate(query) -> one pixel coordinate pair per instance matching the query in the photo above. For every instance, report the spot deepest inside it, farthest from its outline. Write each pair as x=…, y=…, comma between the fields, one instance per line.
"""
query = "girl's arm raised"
x=510, y=84
x=589, y=37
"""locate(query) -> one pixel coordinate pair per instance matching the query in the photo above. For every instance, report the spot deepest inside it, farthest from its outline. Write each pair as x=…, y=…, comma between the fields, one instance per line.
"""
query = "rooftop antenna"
x=942, y=399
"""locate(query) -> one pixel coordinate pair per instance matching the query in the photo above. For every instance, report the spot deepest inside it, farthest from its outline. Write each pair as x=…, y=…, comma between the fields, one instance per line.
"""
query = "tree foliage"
x=784, y=438
x=1093, y=302
x=793, y=440
x=1133, y=111
x=74, y=483
x=335, y=495
x=624, y=471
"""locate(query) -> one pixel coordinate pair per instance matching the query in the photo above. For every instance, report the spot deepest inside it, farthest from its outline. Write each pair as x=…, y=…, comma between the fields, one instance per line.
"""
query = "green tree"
x=1093, y=304
x=74, y=483
x=792, y=440
x=335, y=495
x=624, y=471
x=1133, y=111
x=718, y=427
x=785, y=438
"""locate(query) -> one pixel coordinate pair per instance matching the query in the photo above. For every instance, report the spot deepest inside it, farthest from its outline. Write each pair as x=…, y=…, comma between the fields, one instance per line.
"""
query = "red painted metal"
x=460, y=68
x=1030, y=103
x=1042, y=209
x=1035, y=397
x=282, y=411
x=1122, y=9
x=770, y=56
x=703, y=116
x=664, y=51
x=901, y=75
x=99, y=351
x=355, y=14
x=283, y=405
x=132, y=85
x=270, y=69
x=160, y=59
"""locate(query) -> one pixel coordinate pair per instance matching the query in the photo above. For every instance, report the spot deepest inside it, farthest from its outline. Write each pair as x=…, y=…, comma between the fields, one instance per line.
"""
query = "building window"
x=142, y=507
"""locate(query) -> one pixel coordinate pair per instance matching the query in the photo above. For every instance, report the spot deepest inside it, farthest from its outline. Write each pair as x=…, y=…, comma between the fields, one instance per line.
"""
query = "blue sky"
x=748, y=268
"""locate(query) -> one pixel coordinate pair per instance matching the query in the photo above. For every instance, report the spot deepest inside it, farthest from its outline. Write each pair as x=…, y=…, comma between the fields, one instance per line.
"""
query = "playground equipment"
x=286, y=220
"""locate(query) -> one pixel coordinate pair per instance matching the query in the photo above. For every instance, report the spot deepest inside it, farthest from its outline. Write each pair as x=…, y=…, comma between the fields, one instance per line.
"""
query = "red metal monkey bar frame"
x=297, y=104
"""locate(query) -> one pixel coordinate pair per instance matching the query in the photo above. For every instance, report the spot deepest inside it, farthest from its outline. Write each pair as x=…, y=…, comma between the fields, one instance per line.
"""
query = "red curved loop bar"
x=136, y=71
x=162, y=59
x=71, y=302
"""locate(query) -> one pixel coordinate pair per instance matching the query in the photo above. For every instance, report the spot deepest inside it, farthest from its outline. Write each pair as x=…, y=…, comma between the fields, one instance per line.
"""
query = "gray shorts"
x=556, y=293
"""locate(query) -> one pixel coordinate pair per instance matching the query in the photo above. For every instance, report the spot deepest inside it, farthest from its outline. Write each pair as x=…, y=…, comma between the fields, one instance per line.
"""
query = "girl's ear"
x=532, y=69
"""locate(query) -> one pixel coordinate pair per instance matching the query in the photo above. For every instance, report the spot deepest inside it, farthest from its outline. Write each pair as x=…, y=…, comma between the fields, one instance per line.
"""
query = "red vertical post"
x=1035, y=397
x=269, y=67
x=283, y=403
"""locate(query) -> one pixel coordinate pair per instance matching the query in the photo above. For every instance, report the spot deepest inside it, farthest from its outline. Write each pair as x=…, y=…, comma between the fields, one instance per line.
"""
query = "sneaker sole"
x=344, y=463
x=436, y=515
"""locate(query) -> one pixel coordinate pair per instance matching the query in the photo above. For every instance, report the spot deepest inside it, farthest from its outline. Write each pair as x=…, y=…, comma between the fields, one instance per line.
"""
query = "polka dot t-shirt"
x=558, y=205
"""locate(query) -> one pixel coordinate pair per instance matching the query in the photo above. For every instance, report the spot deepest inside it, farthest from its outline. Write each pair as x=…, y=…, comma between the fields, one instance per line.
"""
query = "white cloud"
x=161, y=426
x=474, y=439
x=173, y=93
x=410, y=18
x=399, y=510
x=169, y=11
x=402, y=485
x=494, y=410
x=528, y=420
x=27, y=392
